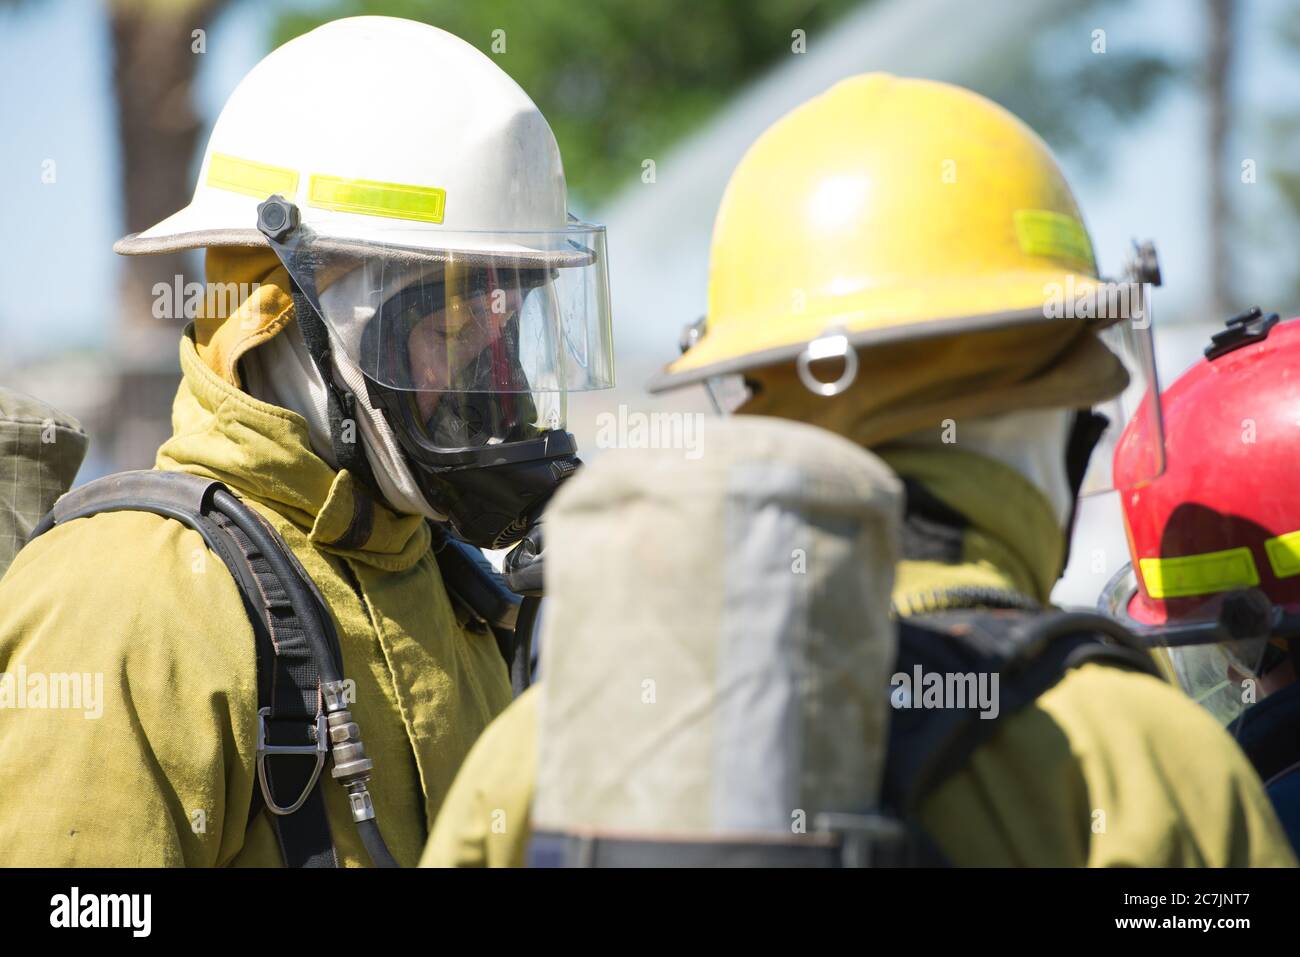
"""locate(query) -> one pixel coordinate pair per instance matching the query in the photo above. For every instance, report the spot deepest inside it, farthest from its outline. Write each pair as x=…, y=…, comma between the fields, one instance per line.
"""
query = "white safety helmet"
x=416, y=196
x=369, y=122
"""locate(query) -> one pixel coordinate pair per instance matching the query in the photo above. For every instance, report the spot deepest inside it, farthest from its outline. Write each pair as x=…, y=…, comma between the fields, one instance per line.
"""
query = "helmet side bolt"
x=1145, y=264
x=276, y=218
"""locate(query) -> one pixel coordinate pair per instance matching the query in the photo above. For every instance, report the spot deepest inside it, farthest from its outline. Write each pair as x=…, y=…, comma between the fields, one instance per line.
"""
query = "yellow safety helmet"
x=888, y=208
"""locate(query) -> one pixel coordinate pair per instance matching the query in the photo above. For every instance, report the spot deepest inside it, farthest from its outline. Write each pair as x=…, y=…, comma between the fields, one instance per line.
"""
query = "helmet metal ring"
x=831, y=346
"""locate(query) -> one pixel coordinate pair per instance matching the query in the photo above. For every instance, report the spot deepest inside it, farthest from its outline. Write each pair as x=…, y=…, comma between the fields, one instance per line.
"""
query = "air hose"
x=374, y=844
x=521, y=663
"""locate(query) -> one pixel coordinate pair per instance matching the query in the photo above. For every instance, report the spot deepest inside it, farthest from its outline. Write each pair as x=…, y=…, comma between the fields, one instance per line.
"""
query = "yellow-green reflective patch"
x=252, y=179
x=1284, y=554
x=393, y=200
x=1199, y=574
x=1042, y=232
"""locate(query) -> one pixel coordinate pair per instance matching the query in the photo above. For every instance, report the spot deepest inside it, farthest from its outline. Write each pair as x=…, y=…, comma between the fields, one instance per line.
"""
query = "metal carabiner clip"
x=264, y=750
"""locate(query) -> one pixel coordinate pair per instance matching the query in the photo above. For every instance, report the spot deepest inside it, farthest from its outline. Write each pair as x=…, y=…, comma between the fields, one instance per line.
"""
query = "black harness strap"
x=1028, y=651
x=288, y=676
x=288, y=684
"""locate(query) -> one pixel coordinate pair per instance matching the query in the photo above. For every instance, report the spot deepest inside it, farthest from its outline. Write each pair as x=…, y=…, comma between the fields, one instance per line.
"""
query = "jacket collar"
x=1002, y=532
x=262, y=452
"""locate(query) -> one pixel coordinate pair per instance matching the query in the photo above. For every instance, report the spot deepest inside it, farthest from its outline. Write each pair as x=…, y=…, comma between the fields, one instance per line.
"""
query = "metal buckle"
x=264, y=750
x=861, y=836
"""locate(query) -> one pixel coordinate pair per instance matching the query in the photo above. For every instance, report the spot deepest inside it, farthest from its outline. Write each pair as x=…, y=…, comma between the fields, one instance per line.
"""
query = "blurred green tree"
x=619, y=81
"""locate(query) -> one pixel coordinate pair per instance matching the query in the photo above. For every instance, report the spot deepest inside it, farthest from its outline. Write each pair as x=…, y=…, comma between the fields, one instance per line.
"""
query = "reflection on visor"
x=465, y=338
x=1209, y=677
x=454, y=330
x=1200, y=651
x=450, y=341
x=479, y=312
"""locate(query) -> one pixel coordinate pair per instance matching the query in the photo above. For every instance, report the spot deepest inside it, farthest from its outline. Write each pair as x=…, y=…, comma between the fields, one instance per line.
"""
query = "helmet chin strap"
x=392, y=471
x=341, y=402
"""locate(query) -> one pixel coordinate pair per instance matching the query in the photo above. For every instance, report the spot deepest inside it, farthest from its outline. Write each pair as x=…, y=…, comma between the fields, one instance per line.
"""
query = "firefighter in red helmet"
x=1214, y=581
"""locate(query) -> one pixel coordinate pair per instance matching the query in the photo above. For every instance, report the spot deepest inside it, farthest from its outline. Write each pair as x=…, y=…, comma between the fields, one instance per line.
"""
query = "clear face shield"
x=469, y=348
x=459, y=349
x=1222, y=678
x=1221, y=652
x=481, y=338
x=1134, y=430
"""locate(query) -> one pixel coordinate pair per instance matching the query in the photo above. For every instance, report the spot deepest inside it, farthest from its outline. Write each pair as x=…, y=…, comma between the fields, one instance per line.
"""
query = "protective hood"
x=992, y=529
x=264, y=451
x=922, y=384
x=246, y=304
x=977, y=422
x=249, y=316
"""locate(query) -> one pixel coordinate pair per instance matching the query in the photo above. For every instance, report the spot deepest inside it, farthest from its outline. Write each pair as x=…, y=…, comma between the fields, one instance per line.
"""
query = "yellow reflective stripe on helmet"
x=1042, y=232
x=252, y=179
x=393, y=200
x=1199, y=574
x=1284, y=554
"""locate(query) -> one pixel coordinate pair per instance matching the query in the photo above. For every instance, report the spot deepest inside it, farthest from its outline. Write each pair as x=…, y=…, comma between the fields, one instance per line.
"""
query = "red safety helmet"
x=1215, y=540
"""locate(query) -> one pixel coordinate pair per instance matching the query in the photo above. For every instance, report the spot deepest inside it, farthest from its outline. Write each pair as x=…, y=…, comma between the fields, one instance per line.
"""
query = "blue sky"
x=56, y=269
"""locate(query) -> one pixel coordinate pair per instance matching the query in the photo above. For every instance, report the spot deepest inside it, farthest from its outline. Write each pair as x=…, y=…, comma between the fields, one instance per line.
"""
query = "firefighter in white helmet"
x=414, y=304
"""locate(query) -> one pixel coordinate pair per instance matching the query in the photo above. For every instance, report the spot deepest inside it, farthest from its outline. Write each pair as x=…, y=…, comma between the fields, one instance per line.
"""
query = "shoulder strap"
x=290, y=713
x=1028, y=652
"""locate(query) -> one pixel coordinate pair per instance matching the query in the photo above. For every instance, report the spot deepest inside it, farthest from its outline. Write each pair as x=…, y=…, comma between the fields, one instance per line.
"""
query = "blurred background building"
x=1177, y=120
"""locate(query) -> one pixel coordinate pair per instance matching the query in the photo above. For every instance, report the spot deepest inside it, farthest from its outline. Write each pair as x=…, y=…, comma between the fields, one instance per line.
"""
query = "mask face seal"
x=491, y=493
x=486, y=458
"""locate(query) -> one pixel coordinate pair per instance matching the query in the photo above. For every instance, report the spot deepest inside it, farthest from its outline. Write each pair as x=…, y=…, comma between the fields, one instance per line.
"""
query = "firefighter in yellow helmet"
x=901, y=262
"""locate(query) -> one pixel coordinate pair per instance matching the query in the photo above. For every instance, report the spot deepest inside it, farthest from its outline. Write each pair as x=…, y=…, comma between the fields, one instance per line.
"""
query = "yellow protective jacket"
x=1109, y=767
x=154, y=765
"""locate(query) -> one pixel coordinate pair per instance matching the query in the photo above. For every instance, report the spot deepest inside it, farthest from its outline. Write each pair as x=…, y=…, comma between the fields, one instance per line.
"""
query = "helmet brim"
x=715, y=356
x=191, y=228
